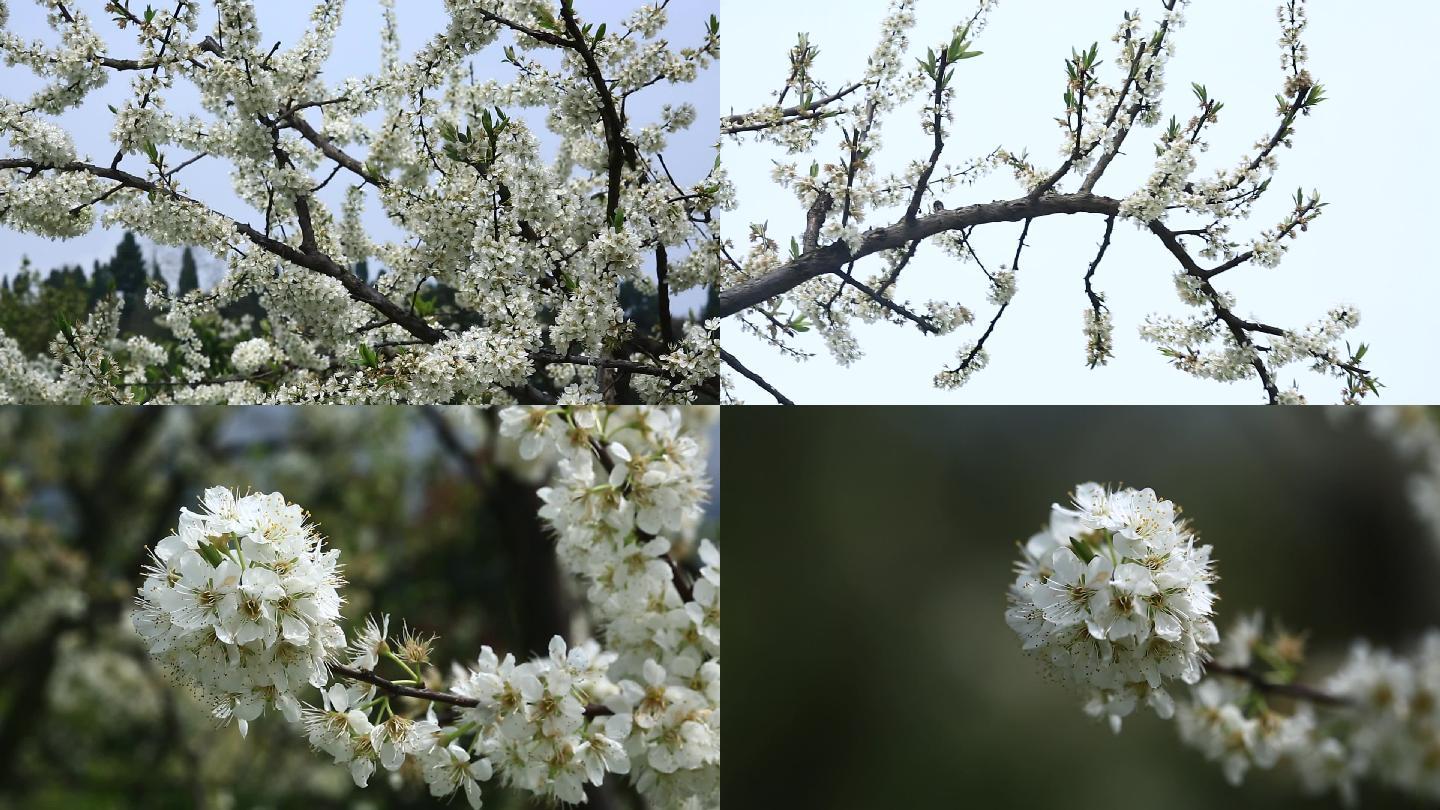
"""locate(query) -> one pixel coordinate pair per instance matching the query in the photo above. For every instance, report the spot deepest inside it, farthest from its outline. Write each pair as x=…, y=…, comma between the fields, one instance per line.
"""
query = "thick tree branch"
x=621, y=152
x=833, y=257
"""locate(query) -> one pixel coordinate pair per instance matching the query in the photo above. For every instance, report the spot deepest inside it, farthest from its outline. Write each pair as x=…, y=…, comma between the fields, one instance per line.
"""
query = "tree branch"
x=832, y=257
x=735, y=124
x=1298, y=691
x=402, y=690
x=733, y=362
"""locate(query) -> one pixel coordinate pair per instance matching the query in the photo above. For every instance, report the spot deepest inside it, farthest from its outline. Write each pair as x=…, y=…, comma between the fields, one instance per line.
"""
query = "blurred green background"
x=877, y=669
x=436, y=523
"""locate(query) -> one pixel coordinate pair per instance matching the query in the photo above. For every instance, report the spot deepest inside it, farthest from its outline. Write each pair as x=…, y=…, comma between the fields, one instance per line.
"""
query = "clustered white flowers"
x=1099, y=336
x=526, y=236
x=629, y=487
x=1381, y=716
x=1415, y=433
x=1114, y=597
x=251, y=355
x=1107, y=100
x=241, y=605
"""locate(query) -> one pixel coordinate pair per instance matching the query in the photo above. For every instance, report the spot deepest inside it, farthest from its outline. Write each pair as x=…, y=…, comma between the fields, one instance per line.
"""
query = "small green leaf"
x=210, y=553
x=368, y=357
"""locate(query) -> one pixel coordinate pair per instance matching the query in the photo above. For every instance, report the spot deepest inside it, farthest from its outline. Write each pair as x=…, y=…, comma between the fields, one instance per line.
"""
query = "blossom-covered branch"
x=1115, y=596
x=814, y=286
x=517, y=275
x=241, y=606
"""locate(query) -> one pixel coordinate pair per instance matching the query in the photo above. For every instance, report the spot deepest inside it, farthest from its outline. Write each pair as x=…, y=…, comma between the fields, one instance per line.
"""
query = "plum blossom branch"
x=405, y=690
x=508, y=280
x=1114, y=598
x=1099, y=117
x=1261, y=683
x=241, y=605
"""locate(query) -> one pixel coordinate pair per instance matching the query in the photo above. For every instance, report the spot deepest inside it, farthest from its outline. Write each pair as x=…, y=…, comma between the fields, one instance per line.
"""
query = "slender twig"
x=735, y=124
x=402, y=690
x=731, y=361
x=1298, y=691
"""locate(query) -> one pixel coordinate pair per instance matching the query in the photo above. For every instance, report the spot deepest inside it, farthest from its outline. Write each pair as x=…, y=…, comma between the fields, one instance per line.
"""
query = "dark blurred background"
x=877, y=669
x=436, y=523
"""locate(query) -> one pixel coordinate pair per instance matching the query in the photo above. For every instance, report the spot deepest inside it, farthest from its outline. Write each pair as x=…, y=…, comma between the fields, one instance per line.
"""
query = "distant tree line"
x=32, y=304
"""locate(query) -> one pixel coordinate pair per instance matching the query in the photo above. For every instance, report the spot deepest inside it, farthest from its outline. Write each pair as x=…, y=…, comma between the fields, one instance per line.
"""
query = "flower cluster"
x=1114, y=597
x=503, y=280
x=1382, y=718
x=972, y=357
x=1415, y=433
x=841, y=187
x=532, y=719
x=251, y=355
x=1099, y=336
x=623, y=506
x=241, y=604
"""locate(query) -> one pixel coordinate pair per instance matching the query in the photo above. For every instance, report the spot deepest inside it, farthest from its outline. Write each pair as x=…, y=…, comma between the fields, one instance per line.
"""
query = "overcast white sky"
x=1362, y=150
x=690, y=156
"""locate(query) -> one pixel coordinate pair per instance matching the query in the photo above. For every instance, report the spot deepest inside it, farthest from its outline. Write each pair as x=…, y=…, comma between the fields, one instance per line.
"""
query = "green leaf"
x=210, y=553
x=368, y=357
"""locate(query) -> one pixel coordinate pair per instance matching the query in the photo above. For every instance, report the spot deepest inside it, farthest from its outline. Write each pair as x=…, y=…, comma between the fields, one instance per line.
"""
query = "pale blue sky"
x=1362, y=150
x=356, y=51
